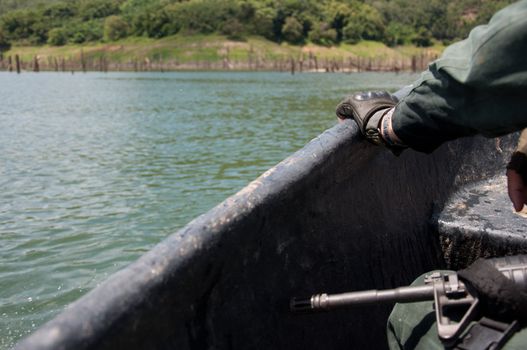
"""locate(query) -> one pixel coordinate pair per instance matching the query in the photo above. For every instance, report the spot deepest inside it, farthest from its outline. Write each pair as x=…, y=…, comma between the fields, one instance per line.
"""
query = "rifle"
x=449, y=293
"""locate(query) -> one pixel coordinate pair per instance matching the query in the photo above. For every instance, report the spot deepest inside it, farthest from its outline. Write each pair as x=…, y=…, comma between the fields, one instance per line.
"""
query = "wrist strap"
x=387, y=132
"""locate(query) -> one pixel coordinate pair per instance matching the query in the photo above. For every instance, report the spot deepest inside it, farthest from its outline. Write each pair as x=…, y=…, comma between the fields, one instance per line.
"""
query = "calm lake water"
x=95, y=169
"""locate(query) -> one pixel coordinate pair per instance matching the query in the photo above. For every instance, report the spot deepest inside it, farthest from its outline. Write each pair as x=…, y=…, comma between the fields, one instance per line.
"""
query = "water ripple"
x=97, y=168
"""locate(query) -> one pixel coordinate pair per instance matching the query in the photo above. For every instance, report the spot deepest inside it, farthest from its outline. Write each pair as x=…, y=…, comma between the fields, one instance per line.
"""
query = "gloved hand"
x=372, y=111
x=517, y=180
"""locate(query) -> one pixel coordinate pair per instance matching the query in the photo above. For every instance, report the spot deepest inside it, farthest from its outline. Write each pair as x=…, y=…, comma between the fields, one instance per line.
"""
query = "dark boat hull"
x=338, y=215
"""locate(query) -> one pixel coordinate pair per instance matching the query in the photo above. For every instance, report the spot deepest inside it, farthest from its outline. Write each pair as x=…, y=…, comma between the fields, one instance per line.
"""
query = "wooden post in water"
x=250, y=57
x=10, y=64
x=351, y=64
x=292, y=66
x=56, y=64
x=17, y=61
x=336, y=66
x=36, y=66
x=83, y=62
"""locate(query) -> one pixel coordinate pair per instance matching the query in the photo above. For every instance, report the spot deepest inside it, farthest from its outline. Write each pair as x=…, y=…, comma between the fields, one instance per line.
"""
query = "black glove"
x=499, y=297
x=367, y=108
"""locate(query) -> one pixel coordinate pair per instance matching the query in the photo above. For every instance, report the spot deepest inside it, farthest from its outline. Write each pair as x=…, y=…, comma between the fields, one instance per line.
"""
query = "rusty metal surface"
x=338, y=215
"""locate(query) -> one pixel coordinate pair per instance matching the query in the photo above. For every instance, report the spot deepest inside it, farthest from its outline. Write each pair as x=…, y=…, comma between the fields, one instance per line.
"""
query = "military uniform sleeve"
x=478, y=86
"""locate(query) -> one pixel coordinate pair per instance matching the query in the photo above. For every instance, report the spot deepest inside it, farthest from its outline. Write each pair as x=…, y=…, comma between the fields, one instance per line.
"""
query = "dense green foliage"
x=324, y=22
x=4, y=42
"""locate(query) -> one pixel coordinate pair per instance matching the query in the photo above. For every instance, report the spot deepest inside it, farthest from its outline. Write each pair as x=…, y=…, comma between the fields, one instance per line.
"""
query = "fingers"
x=517, y=189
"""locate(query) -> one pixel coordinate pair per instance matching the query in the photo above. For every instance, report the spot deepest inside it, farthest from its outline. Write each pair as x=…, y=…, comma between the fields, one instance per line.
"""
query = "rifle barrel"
x=331, y=301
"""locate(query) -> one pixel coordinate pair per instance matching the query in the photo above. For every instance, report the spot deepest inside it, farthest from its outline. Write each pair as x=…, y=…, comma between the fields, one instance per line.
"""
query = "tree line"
x=322, y=22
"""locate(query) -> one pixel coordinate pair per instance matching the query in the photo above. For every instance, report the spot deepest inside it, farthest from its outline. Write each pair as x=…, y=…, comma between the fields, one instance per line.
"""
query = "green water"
x=97, y=168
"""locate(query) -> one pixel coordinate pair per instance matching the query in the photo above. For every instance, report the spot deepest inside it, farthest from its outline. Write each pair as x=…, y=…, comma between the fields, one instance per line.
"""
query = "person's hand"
x=517, y=189
x=373, y=112
x=517, y=180
x=367, y=109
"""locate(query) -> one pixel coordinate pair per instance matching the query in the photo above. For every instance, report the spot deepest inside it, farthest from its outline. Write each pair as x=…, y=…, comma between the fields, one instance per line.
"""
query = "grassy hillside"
x=216, y=51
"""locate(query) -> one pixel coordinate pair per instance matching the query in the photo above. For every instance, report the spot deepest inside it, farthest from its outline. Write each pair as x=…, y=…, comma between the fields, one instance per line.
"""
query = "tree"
x=263, y=22
x=338, y=14
x=371, y=21
x=57, y=37
x=422, y=38
x=292, y=31
x=322, y=34
x=397, y=34
x=39, y=31
x=115, y=28
x=204, y=16
x=17, y=25
x=352, y=32
x=60, y=11
x=160, y=23
x=4, y=42
x=365, y=23
x=92, y=9
x=81, y=32
x=233, y=29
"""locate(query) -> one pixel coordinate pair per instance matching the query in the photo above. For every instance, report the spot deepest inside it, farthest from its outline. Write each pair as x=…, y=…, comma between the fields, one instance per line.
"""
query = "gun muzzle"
x=332, y=301
x=315, y=302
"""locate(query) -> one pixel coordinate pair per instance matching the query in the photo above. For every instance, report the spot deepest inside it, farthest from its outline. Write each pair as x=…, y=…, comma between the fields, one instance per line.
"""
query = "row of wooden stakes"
x=286, y=64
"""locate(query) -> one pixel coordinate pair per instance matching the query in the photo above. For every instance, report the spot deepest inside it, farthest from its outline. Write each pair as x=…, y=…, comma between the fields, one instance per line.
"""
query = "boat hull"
x=338, y=215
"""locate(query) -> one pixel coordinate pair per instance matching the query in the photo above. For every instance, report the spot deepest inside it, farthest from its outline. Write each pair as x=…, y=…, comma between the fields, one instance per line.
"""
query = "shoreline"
x=344, y=65
x=184, y=53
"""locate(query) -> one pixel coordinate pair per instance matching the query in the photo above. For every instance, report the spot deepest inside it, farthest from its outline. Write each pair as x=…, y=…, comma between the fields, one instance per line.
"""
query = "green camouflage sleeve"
x=478, y=86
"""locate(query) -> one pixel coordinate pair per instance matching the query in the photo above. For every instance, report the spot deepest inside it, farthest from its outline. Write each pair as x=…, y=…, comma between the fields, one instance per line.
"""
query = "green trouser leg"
x=478, y=86
x=413, y=326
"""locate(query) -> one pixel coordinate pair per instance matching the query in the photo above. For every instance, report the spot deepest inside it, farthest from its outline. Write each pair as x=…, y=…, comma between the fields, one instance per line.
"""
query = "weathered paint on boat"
x=338, y=215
